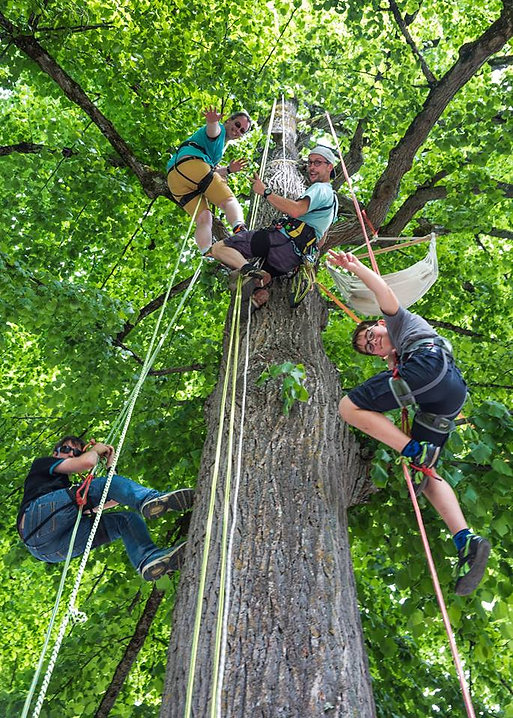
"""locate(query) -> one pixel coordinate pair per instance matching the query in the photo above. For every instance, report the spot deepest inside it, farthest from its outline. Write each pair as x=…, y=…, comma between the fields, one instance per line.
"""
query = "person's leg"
x=203, y=231
x=148, y=560
x=123, y=490
x=233, y=211
x=183, y=180
x=373, y=424
x=149, y=502
x=228, y=256
x=131, y=528
x=443, y=499
x=219, y=194
x=48, y=524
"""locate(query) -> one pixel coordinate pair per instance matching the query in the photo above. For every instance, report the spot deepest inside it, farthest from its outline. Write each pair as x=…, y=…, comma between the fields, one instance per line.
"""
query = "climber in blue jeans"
x=49, y=510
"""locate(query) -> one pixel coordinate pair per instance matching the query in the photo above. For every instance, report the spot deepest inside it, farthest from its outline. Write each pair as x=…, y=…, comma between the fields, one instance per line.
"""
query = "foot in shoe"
x=472, y=559
x=179, y=500
x=168, y=562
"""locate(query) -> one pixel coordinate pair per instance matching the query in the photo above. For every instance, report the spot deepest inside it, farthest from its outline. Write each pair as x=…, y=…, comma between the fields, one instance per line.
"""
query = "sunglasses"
x=69, y=450
x=242, y=129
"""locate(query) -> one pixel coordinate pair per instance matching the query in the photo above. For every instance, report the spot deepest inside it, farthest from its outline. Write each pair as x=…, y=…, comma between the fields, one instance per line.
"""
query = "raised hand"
x=212, y=115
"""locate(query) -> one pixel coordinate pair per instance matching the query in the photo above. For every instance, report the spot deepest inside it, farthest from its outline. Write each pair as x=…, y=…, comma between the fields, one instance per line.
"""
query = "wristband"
x=228, y=170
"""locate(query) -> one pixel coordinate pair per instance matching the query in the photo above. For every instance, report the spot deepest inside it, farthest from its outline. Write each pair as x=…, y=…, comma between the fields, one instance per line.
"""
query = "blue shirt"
x=209, y=149
x=321, y=195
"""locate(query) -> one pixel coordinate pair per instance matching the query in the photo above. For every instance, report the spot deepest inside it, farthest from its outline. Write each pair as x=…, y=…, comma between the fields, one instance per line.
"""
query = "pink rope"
x=439, y=596
x=355, y=201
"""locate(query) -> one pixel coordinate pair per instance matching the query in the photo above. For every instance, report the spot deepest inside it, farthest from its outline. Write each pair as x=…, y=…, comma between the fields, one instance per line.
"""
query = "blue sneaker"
x=472, y=559
x=169, y=562
x=179, y=500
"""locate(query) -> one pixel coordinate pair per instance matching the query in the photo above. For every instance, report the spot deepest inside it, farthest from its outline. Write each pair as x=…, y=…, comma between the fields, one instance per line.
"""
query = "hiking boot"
x=179, y=500
x=472, y=560
x=428, y=456
x=168, y=562
x=249, y=272
x=241, y=227
x=259, y=297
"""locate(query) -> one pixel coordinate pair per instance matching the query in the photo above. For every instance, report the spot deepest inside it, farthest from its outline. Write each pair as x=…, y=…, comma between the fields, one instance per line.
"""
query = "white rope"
x=126, y=412
x=256, y=200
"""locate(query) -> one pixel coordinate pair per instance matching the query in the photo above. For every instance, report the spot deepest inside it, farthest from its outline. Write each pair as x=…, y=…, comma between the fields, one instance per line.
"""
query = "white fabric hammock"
x=409, y=284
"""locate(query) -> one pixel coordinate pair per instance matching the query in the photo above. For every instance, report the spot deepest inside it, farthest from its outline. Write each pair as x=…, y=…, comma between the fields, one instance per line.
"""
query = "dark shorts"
x=435, y=392
x=281, y=257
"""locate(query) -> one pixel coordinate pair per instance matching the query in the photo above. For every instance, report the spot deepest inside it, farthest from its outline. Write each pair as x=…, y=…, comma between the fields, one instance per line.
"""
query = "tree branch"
x=23, y=147
x=153, y=183
x=277, y=41
x=457, y=330
x=75, y=28
x=151, y=307
x=471, y=57
x=425, y=193
x=402, y=26
x=500, y=233
x=131, y=652
x=500, y=63
x=161, y=372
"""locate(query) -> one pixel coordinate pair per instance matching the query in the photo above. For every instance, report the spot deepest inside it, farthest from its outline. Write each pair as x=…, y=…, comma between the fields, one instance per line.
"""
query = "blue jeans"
x=51, y=539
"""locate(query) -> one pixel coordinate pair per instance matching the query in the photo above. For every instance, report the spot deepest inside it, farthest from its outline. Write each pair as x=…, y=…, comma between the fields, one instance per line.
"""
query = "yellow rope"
x=210, y=516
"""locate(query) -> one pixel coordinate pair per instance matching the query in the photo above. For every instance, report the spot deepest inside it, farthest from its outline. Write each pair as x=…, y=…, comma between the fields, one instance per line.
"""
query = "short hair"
x=361, y=327
x=242, y=113
x=69, y=439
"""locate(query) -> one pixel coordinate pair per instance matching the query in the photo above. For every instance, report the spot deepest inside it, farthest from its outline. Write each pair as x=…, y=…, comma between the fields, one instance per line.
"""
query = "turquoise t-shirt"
x=209, y=150
x=321, y=195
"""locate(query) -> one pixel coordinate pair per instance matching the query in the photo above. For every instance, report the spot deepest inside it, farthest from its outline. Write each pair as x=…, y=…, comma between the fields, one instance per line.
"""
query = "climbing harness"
x=124, y=418
x=301, y=235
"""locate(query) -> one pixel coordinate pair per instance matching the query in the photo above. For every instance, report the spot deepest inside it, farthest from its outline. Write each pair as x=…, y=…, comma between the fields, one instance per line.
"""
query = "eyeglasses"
x=370, y=339
x=69, y=450
x=242, y=129
x=317, y=163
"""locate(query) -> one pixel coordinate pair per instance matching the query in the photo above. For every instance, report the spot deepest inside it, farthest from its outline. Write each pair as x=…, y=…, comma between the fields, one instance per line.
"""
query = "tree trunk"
x=294, y=642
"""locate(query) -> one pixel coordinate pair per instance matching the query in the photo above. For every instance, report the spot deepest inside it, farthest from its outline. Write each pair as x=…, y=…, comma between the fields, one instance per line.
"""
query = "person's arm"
x=292, y=207
x=213, y=119
x=385, y=296
x=86, y=461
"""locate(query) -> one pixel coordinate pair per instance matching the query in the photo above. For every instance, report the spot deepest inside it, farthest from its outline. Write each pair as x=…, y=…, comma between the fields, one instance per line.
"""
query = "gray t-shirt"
x=404, y=328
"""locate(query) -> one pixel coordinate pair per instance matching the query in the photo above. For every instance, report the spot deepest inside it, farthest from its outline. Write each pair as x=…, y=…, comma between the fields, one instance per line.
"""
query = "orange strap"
x=337, y=301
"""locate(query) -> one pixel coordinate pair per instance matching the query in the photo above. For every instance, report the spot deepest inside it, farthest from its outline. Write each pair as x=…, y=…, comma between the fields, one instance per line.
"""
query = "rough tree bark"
x=294, y=645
